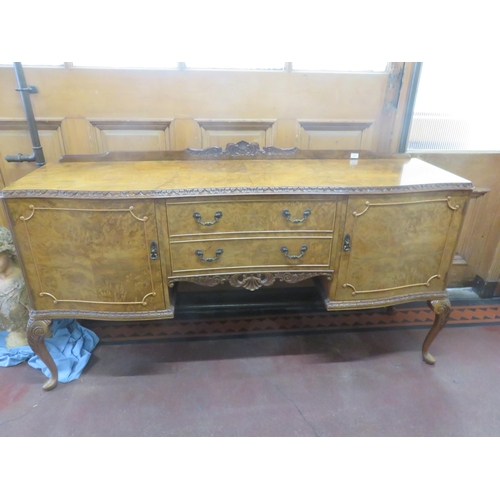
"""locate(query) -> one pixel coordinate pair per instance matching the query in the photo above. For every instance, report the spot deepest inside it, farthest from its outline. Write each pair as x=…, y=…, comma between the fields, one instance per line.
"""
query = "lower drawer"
x=258, y=253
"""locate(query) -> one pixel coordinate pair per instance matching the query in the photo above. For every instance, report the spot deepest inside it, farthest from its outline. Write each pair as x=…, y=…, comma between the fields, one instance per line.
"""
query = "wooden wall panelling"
x=221, y=132
x=15, y=138
x=334, y=134
x=149, y=94
x=79, y=136
x=184, y=133
x=490, y=265
x=277, y=99
x=494, y=269
x=480, y=237
x=286, y=133
x=131, y=135
x=367, y=138
x=467, y=258
x=224, y=96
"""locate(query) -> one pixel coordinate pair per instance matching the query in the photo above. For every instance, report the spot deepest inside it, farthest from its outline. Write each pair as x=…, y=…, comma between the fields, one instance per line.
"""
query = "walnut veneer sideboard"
x=108, y=237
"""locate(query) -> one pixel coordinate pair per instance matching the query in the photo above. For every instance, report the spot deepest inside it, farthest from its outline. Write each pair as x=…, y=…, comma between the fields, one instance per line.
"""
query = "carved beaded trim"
x=367, y=303
x=178, y=193
x=249, y=281
x=70, y=313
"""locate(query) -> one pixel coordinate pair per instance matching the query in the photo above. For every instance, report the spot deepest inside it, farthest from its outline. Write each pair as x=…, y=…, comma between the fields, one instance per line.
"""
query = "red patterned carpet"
x=404, y=316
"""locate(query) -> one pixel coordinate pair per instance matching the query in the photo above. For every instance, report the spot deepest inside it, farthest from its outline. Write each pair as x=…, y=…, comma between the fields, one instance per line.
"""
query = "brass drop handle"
x=218, y=253
x=217, y=217
x=153, y=250
x=286, y=214
x=303, y=250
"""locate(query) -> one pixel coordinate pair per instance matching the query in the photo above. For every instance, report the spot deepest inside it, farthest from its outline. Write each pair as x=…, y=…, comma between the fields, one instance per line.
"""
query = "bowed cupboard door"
x=396, y=245
x=89, y=255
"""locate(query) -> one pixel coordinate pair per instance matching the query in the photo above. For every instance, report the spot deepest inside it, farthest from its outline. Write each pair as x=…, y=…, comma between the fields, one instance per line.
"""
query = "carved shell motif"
x=251, y=281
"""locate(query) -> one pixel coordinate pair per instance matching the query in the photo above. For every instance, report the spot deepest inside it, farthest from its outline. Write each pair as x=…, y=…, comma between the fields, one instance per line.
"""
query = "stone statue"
x=14, y=312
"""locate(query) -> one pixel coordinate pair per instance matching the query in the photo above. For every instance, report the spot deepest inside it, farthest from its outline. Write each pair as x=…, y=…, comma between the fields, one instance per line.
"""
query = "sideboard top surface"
x=219, y=177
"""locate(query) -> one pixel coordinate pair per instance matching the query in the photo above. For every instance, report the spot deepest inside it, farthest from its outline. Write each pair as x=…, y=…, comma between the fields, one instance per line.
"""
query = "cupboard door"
x=89, y=255
x=398, y=245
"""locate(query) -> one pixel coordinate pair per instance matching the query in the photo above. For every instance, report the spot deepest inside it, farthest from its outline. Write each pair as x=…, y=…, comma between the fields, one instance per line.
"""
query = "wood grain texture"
x=221, y=132
x=442, y=309
x=253, y=252
x=150, y=94
x=15, y=139
x=85, y=252
x=133, y=135
x=37, y=331
x=481, y=233
x=184, y=133
x=79, y=136
x=186, y=155
x=93, y=255
x=333, y=135
x=250, y=216
x=80, y=96
x=220, y=176
x=398, y=245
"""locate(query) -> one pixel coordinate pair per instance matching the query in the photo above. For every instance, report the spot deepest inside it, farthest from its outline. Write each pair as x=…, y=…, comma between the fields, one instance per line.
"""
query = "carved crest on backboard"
x=242, y=148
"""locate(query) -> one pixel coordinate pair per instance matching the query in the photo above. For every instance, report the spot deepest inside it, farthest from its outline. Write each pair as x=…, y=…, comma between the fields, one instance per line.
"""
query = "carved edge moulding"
x=188, y=192
x=79, y=314
x=20, y=124
x=382, y=302
x=249, y=281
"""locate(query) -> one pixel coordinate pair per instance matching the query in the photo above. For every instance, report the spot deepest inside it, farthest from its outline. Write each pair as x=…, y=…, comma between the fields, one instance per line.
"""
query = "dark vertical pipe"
x=410, y=105
x=25, y=91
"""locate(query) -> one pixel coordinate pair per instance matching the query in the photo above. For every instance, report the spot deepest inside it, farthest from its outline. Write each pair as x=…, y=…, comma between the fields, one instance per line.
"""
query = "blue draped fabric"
x=70, y=346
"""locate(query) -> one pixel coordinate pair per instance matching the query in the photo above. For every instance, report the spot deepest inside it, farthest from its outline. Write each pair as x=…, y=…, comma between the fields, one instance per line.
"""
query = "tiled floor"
x=342, y=383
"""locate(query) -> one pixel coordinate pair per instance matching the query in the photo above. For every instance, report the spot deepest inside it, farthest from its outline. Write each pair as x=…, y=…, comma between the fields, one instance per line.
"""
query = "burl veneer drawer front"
x=249, y=216
x=244, y=253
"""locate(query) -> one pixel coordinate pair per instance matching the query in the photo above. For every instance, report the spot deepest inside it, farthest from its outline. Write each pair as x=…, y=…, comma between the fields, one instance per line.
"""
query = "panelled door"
x=378, y=261
x=89, y=255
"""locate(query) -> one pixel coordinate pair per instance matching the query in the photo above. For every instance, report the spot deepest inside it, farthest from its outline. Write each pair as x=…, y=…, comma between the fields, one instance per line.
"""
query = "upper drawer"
x=249, y=216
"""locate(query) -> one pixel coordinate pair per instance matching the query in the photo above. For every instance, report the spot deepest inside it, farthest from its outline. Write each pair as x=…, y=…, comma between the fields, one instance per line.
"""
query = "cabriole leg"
x=37, y=331
x=442, y=309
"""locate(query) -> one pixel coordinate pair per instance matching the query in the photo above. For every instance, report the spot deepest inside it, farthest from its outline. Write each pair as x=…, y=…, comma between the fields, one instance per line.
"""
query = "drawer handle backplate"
x=286, y=214
x=303, y=250
x=218, y=253
x=217, y=217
